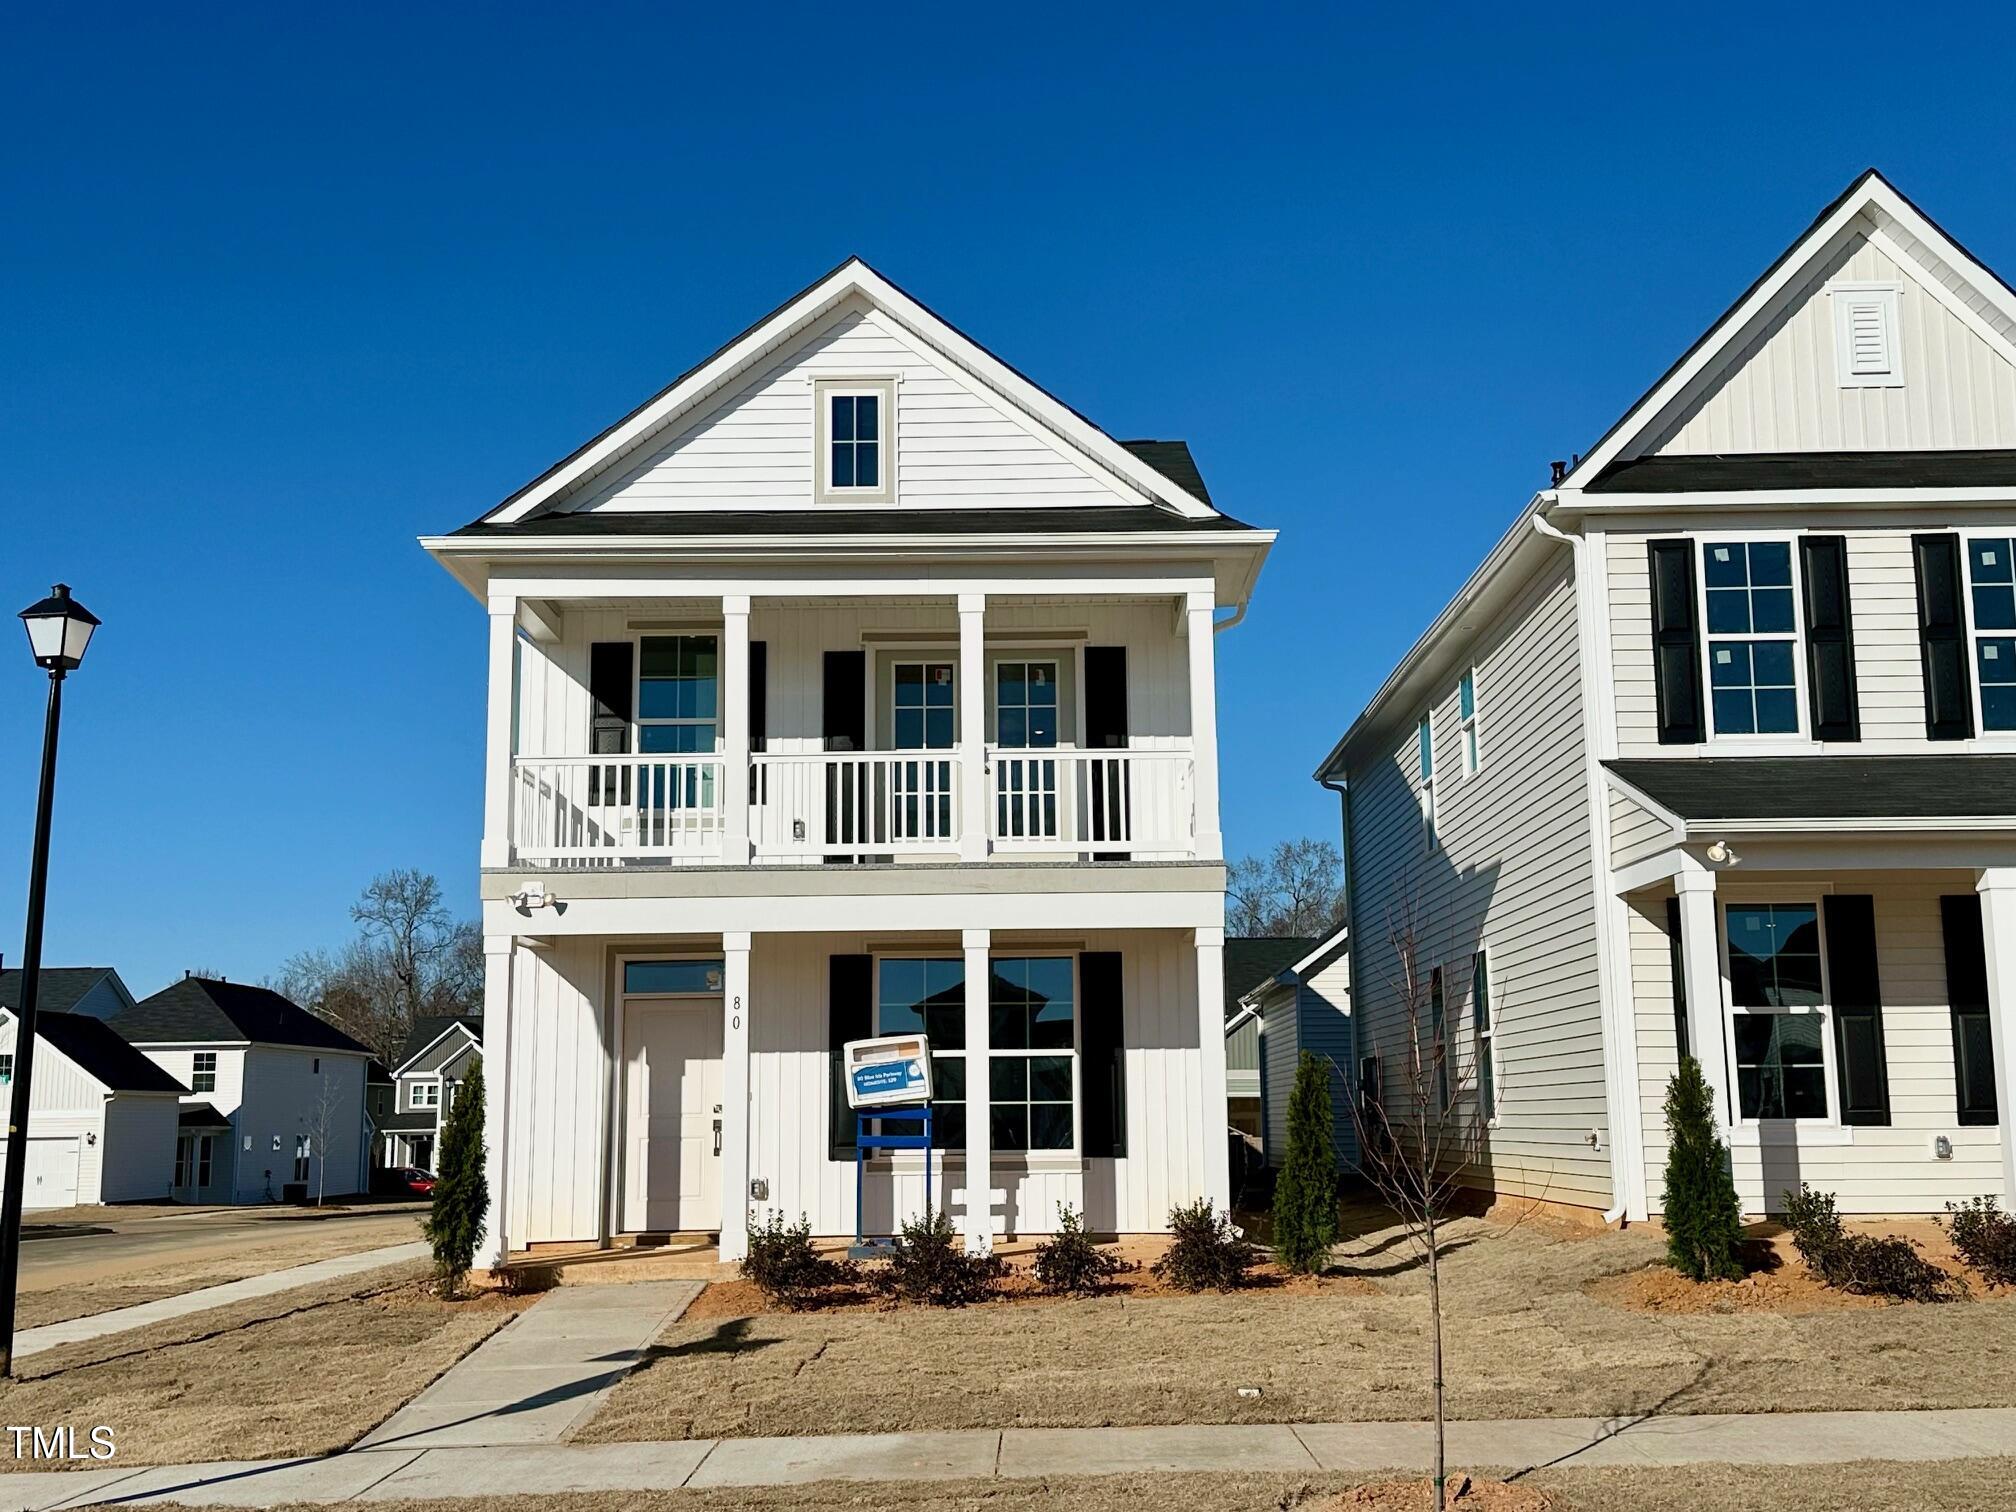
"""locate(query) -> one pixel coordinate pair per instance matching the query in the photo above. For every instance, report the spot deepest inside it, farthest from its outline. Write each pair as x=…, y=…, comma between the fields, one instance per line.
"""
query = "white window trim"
x=1470, y=728
x=1760, y=1129
x=1982, y=734
x=1803, y=735
x=825, y=389
x=1424, y=765
x=196, y=1070
x=1886, y=294
x=414, y=1102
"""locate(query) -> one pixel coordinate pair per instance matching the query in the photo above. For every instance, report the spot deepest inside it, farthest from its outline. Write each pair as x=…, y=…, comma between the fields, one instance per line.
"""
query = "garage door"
x=52, y=1171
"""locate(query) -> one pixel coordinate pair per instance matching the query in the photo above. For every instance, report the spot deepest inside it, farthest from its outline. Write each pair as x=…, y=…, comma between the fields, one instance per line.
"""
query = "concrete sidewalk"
x=406, y=1471
x=119, y=1320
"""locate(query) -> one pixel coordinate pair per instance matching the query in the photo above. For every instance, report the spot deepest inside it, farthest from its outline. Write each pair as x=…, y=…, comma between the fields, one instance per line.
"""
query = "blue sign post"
x=866, y=1139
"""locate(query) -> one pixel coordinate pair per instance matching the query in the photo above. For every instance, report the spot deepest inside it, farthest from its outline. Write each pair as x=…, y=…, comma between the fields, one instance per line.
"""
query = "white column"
x=497, y=956
x=735, y=1097
x=498, y=731
x=1997, y=886
x=979, y=1198
x=1204, y=725
x=1701, y=970
x=1211, y=1054
x=973, y=816
x=735, y=731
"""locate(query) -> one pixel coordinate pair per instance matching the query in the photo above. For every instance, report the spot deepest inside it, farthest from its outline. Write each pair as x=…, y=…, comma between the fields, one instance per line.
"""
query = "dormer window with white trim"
x=855, y=430
x=1866, y=351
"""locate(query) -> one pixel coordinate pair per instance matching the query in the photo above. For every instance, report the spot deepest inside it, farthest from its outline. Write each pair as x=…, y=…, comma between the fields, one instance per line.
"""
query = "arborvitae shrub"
x=785, y=1266
x=1071, y=1263
x=461, y=1190
x=1305, y=1193
x=1704, y=1221
x=1205, y=1252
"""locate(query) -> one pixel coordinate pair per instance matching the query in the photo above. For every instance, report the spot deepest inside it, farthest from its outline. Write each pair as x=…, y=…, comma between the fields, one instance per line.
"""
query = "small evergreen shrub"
x=461, y=1190
x=1206, y=1253
x=1305, y=1193
x=1071, y=1263
x=1704, y=1220
x=1859, y=1263
x=785, y=1266
x=930, y=1265
x=1985, y=1236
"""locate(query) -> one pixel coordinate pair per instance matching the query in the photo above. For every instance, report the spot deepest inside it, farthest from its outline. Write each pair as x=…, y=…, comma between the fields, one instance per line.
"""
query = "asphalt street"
x=98, y=1250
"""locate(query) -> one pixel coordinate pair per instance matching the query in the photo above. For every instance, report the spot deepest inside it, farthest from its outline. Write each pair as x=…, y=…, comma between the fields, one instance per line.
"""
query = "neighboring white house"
x=1250, y=961
x=1717, y=750
x=101, y=1116
x=433, y=1064
x=852, y=683
x=1300, y=1000
x=275, y=1095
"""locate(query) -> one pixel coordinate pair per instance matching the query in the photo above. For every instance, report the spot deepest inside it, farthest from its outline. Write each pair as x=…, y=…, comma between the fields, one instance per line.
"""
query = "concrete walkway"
x=544, y=1371
x=405, y=1471
x=120, y=1319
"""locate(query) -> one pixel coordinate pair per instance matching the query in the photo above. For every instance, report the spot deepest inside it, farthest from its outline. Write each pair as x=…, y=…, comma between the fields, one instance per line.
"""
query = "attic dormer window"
x=1865, y=335
x=855, y=434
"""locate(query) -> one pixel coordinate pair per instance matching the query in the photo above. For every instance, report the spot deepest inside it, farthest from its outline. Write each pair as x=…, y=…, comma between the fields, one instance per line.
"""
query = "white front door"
x=672, y=1116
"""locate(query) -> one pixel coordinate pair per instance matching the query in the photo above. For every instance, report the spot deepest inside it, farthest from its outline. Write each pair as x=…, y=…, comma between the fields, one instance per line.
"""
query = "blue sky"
x=286, y=287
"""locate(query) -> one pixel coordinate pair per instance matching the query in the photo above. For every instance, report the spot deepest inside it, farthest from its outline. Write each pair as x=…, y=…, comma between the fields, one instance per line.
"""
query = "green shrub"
x=1985, y=1236
x=1206, y=1253
x=1704, y=1221
x=461, y=1190
x=1071, y=1263
x=785, y=1266
x=930, y=1265
x=527, y=1280
x=1859, y=1263
x=1305, y=1193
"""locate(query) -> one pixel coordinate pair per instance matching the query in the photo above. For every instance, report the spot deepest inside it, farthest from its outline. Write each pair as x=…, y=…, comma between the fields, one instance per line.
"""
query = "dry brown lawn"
x=1946, y=1486
x=302, y=1372
x=1526, y=1338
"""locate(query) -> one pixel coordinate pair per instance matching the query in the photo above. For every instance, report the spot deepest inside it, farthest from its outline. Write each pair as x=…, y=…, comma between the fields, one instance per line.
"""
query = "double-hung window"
x=182, y=1153
x=1487, y=1047
x=203, y=1073
x=1778, y=1011
x=1466, y=708
x=203, y=1153
x=302, y=1149
x=1991, y=607
x=678, y=689
x=918, y=995
x=1424, y=735
x=855, y=438
x=426, y=1094
x=1032, y=1081
x=1752, y=617
x=1437, y=1030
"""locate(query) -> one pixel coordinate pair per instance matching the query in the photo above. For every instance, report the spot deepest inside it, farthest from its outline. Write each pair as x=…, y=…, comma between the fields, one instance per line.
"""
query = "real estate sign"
x=892, y=1071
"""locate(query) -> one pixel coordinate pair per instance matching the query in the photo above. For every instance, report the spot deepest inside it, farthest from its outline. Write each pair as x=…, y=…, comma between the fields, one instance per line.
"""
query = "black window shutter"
x=1679, y=962
x=844, y=715
x=1942, y=637
x=759, y=695
x=1830, y=639
x=1858, y=1009
x=850, y=1015
x=1676, y=643
x=610, y=685
x=1967, y=993
x=1103, y=1068
x=1106, y=730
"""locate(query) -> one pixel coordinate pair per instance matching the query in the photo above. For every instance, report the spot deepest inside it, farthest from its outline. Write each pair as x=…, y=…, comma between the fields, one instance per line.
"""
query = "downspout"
x=1622, y=1180
x=1237, y=615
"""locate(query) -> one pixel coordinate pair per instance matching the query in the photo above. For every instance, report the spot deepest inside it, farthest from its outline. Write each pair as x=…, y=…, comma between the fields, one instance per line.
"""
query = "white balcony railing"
x=569, y=808
x=854, y=803
x=1132, y=803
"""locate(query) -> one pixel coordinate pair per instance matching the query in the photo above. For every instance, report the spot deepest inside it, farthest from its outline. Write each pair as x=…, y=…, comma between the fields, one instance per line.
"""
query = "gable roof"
x=61, y=987
x=101, y=1054
x=429, y=1028
x=853, y=278
x=198, y=1010
x=1252, y=959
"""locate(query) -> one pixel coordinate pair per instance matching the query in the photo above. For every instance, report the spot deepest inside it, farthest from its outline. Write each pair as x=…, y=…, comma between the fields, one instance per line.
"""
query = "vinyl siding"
x=137, y=1147
x=1512, y=875
x=1635, y=831
x=1885, y=1170
x=1314, y=1016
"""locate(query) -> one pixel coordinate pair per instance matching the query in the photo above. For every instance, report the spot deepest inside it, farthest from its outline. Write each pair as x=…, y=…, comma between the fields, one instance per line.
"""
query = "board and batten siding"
x=1781, y=392
x=958, y=442
x=1512, y=874
x=1884, y=1170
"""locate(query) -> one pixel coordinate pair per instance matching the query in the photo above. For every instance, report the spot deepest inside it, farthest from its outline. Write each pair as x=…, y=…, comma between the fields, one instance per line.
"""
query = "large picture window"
x=1778, y=1011
x=1991, y=605
x=1753, y=637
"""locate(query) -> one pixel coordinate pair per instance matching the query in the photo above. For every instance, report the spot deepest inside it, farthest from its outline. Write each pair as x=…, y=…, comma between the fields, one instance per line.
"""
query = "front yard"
x=1538, y=1324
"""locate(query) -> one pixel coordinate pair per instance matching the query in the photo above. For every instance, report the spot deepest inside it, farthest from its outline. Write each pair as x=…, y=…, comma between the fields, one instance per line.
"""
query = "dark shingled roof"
x=61, y=987
x=198, y=1009
x=415, y=1121
x=1827, y=787
x=1252, y=959
x=1724, y=472
x=202, y=1116
x=96, y=1046
x=430, y=1027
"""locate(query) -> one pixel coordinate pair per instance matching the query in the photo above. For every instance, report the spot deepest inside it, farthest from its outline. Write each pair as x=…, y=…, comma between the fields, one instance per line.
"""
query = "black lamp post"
x=59, y=628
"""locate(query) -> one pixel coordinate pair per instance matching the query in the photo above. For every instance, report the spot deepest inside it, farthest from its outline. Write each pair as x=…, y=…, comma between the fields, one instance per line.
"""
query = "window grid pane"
x=1753, y=681
x=1991, y=576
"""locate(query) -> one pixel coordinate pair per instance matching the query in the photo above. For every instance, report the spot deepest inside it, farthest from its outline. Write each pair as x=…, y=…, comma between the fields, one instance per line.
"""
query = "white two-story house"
x=1716, y=753
x=852, y=685
x=433, y=1064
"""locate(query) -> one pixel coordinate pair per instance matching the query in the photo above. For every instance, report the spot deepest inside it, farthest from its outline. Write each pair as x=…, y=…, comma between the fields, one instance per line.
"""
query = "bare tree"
x=1295, y=889
x=325, y=1118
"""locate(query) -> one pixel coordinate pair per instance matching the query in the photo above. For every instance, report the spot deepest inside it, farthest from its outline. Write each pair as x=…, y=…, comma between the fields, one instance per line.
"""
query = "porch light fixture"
x=59, y=628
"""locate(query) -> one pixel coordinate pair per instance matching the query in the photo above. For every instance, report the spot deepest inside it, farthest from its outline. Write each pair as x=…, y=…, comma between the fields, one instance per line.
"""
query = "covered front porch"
x=688, y=1082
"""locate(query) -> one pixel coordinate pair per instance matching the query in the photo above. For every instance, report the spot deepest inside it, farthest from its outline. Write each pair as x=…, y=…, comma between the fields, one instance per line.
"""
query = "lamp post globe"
x=59, y=628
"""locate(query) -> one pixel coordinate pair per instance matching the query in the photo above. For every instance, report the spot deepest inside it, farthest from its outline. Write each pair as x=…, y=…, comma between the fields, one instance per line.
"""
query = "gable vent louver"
x=1865, y=335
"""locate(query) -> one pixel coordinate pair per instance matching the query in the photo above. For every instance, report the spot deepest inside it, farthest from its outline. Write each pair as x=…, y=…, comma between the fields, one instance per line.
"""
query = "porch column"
x=978, y=1204
x=497, y=955
x=501, y=722
x=973, y=817
x=735, y=1097
x=1997, y=886
x=1204, y=726
x=735, y=730
x=1701, y=970
x=1211, y=1052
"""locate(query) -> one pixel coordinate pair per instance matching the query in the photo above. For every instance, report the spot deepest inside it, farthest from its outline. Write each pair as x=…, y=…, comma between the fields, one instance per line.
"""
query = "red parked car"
x=406, y=1179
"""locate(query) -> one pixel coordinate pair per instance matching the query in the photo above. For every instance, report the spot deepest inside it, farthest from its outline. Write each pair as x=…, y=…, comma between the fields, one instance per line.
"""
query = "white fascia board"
x=1675, y=825
x=1327, y=946
x=1247, y=1009
x=1608, y=503
x=400, y=1069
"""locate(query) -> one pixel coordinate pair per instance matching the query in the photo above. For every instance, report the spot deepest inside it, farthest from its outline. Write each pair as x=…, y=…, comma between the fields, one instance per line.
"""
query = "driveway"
x=107, y=1249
